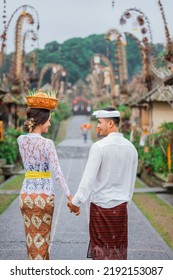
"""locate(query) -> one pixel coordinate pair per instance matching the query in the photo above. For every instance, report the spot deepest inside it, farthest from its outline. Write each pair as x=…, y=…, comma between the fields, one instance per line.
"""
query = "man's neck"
x=113, y=130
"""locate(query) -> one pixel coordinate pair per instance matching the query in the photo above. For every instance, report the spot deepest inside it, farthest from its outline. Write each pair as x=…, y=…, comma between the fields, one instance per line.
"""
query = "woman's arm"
x=56, y=169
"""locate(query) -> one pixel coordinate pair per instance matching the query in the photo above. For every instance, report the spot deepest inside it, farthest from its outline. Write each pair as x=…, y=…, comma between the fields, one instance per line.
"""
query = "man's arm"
x=89, y=176
x=134, y=172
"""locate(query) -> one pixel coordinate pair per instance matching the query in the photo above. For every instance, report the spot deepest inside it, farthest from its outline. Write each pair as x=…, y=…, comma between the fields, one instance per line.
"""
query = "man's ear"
x=111, y=123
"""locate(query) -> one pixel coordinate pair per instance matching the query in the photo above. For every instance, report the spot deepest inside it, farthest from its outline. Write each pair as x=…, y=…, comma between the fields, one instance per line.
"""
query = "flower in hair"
x=31, y=124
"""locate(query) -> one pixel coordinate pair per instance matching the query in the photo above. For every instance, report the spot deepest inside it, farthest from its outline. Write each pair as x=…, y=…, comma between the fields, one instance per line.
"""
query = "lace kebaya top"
x=39, y=154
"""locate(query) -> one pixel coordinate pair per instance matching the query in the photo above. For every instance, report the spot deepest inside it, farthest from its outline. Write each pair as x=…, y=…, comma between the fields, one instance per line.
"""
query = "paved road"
x=70, y=237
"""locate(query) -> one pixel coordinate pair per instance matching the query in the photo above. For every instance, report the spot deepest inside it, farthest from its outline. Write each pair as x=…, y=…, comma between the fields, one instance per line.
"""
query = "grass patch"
x=158, y=213
x=62, y=131
x=6, y=200
x=15, y=183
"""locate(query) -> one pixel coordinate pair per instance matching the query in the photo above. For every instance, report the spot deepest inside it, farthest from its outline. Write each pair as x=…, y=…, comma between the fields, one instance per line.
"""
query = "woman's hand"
x=70, y=197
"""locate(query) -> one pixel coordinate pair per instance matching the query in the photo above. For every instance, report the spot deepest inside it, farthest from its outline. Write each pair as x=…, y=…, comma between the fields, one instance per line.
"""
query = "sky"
x=61, y=20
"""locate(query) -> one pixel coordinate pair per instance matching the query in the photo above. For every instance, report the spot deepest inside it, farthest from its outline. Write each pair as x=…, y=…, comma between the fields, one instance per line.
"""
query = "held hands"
x=73, y=208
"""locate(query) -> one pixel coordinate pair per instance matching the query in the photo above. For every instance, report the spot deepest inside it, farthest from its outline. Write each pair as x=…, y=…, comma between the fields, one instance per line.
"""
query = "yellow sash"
x=37, y=174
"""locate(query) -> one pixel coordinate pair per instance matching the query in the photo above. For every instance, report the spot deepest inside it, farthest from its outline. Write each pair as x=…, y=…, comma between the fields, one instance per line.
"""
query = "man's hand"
x=73, y=208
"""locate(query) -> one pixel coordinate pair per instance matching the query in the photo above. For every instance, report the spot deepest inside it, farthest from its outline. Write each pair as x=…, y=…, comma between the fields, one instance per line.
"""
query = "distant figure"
x=84, y=128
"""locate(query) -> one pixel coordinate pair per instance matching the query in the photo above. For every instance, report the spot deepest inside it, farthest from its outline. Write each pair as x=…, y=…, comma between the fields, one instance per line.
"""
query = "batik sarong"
x=108, y=232
x=37, y=211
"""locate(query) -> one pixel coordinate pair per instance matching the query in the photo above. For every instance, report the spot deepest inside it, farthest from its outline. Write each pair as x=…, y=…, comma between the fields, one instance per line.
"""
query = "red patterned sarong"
x=108, y=232
x=37, y=211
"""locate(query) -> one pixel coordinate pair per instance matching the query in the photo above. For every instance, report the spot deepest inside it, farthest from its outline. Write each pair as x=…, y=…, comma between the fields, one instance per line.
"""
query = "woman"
x=41, y=166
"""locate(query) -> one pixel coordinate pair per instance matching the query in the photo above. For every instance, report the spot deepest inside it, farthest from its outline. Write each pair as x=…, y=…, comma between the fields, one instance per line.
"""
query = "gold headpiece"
x=42, y=100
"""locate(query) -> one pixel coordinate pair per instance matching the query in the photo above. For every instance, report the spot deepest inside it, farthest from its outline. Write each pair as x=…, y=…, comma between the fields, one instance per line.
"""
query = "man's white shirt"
x=110, y=173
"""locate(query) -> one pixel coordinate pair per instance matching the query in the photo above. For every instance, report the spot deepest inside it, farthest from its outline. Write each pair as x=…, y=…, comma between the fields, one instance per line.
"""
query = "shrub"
x=9, y=147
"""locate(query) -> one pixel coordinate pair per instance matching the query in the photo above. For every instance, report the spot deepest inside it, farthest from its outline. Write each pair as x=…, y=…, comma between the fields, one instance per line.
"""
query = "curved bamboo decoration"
x=147, y=47
x=4, y=35
x=55, y=80
x=93, y=81
x=127, y=15
x=123, y=71
x=32, y=55
x=169, y=44
x=34, y=37
x=109, y=65
x=169, y=50
x=145, y=60
x=18, y=44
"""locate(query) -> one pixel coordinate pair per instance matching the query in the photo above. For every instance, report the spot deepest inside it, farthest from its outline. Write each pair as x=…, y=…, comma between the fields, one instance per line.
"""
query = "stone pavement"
x=69, y=238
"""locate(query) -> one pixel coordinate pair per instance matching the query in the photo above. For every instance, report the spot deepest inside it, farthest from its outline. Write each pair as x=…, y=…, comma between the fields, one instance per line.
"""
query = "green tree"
x=75, y=55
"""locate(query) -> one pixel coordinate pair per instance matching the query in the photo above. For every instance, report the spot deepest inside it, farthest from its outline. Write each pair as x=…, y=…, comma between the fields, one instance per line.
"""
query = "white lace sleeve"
x=55, y=167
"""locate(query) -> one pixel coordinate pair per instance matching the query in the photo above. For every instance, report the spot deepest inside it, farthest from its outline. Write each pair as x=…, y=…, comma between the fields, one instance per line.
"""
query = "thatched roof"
x=140, y=94
x=160, y=93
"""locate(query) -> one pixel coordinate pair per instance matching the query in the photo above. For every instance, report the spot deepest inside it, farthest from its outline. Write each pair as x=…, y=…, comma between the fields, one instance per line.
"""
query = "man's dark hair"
x=115, y=119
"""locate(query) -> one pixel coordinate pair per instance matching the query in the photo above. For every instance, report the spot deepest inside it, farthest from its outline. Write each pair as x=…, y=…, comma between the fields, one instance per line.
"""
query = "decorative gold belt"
x=37, y=174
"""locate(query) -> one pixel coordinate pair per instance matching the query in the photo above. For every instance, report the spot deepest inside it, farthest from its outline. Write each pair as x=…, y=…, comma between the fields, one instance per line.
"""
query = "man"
x=109, y=178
